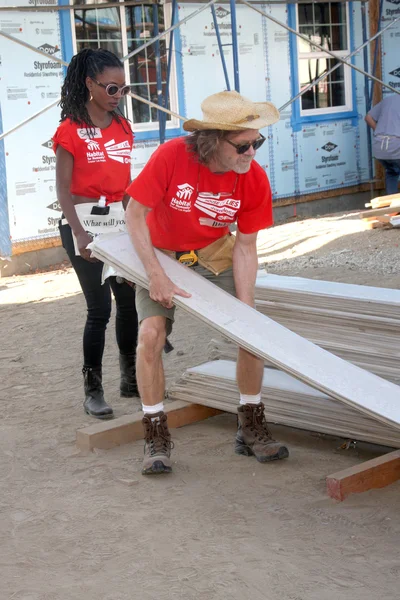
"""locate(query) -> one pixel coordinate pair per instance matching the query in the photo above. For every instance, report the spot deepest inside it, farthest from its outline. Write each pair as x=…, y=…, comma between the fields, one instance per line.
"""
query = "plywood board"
x=287, y=402
x=260, y=335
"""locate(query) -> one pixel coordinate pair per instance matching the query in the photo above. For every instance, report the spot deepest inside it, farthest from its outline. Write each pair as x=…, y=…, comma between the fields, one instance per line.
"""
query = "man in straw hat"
x=183, y=202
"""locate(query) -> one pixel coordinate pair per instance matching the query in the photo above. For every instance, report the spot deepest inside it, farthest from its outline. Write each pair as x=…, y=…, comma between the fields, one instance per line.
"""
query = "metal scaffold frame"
x=162, y=100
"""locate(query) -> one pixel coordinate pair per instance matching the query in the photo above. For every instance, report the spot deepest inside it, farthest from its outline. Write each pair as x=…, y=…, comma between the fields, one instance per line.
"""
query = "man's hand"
x=162, y=290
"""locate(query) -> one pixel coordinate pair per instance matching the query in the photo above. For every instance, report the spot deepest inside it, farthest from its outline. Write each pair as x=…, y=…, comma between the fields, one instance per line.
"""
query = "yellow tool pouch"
x=217, y=257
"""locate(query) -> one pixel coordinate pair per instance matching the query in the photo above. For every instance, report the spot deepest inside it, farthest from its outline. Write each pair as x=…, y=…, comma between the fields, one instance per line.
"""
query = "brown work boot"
x=253, y=437
x=157, y=445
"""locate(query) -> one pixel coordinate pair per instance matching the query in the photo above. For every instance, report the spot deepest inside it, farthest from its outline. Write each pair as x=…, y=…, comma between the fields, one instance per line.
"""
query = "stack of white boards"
x=361, y=324
x=260, y=335
x=287, y=402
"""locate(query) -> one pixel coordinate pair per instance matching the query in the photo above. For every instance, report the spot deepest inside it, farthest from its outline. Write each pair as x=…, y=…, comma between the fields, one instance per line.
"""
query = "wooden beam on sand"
x=123, y=430
x=372, y=474
x=376, y=212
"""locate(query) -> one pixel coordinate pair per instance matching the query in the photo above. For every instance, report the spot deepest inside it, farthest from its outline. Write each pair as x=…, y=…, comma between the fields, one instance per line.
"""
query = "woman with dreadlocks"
x=93, y=144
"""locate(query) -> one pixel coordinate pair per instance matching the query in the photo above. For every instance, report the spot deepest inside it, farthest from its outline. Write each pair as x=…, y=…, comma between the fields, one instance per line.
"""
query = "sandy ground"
x=88, y=526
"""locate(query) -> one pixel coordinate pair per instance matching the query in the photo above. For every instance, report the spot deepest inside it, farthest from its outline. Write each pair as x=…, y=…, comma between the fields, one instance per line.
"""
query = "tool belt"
x=216, y=257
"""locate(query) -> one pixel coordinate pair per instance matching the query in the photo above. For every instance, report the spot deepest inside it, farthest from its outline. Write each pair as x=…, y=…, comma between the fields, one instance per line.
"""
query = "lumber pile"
x=287, y=402
x=382, y=212
x=361, y=324
x=260, y=335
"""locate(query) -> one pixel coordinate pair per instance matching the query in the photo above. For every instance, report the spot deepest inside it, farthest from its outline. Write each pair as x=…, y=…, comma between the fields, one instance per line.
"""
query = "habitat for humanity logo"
x=48, y=49
x=222, y=12
x=185, y=191
x=92, y=145
x=120, y=152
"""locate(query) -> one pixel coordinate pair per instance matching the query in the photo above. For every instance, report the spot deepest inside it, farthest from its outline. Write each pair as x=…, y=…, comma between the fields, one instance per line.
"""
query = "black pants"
x=98, y=301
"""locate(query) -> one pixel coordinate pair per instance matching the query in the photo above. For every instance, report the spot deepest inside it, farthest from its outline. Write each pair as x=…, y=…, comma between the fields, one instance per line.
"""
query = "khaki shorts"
x=146, y=307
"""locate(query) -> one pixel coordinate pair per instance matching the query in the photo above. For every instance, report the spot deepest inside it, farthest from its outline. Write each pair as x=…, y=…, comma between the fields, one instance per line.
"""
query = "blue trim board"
x=297, y=120
x=66, y=33
x=5, y=240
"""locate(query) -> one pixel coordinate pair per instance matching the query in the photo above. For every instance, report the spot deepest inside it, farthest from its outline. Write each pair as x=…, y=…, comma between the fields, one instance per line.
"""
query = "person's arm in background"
x=161, y=289
x=370, y=122
x=64, y=168
x=374, y=114
x=245, y=266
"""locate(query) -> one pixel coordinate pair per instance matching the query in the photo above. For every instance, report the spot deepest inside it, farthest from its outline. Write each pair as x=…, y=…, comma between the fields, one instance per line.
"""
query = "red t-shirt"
x=101, y=162
x=191, y=206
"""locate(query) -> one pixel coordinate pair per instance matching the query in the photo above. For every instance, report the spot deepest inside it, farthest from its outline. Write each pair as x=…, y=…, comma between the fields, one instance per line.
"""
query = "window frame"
x=149, y=129
x=301, y=116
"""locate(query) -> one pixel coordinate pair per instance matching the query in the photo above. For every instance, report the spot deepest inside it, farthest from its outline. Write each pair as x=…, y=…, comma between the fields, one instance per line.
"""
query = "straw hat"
x=229, y=111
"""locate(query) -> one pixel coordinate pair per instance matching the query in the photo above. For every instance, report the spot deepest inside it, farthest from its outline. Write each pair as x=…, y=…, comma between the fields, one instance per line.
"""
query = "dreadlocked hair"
x=75, y=94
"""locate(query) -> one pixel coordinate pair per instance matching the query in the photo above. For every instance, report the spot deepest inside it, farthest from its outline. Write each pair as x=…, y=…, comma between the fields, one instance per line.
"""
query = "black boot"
x=94, y=404
x=128, y=386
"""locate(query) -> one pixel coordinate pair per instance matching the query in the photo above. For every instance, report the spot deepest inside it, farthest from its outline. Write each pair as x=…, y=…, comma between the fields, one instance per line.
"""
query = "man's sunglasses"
x=112, y=89
x=242, y=148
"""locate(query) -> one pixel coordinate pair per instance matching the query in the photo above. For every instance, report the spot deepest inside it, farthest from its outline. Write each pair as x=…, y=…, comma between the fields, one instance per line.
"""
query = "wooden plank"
x=376, y=212
x=372, y=474
x=126, y=429
x=260, y=335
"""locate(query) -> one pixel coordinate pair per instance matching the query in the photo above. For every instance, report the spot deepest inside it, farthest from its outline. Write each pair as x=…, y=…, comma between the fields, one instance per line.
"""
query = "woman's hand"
x=83, y=240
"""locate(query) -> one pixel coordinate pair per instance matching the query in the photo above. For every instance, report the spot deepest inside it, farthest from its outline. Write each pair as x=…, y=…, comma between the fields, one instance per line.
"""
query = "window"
x=122, y=29
x=326, y=24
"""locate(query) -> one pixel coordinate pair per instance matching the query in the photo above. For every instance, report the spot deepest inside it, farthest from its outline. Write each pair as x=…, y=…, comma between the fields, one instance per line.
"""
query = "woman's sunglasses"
x=242, y=148
x=112, y=89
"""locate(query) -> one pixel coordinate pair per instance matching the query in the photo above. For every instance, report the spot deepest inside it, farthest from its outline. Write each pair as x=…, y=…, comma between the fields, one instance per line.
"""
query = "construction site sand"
x=75, y=526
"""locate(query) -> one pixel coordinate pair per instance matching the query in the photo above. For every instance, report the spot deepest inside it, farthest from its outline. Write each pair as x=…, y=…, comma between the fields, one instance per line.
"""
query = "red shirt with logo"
x=191, y=206
x=102, y=158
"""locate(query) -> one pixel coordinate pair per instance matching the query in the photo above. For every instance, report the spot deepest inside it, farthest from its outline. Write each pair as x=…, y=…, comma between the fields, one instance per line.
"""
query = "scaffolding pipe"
x=306, y=39
x=221, y=50
x=167, y=31
x=40, y=112
x=26, y=45
x=149, y=103
x=135, y=96
x=235, y=52
x=316, y=81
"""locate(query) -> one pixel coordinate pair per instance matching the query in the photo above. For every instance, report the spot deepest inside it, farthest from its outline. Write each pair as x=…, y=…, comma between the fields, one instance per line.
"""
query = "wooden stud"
x=126, y=429
x=376, y=212
x=372, y=474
